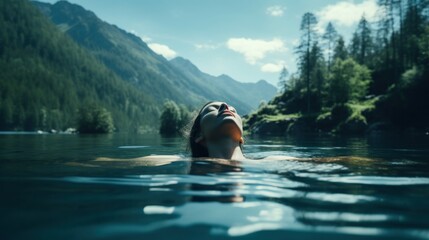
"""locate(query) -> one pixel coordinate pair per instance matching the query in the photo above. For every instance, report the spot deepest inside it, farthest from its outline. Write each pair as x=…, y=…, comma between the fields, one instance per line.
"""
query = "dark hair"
x=197, y=149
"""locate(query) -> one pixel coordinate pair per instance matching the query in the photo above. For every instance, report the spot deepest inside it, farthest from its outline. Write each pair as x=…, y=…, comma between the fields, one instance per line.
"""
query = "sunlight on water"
x=158, y=210
x=339, y=197
x=241, y=218
x=335, y=197
x=131, y=147
x=240, y=202
x=376, y=180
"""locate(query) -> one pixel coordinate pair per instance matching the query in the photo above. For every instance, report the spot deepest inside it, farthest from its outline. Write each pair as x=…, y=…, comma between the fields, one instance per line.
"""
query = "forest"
x=377, y=82
x=48, y=82
x=65, y=68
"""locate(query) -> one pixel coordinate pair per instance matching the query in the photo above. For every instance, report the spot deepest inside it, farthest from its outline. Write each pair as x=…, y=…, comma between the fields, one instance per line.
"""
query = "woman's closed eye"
x=212, y=108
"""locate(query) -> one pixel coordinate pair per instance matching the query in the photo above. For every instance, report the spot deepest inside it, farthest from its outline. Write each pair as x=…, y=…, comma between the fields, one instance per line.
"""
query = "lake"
x=374, y=187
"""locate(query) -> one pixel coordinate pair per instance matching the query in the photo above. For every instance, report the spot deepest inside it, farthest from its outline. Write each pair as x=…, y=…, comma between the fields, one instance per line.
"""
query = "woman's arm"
x=151, y=160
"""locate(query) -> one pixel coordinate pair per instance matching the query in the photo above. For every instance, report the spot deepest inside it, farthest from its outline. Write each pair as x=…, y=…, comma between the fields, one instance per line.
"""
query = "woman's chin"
x=229, y=128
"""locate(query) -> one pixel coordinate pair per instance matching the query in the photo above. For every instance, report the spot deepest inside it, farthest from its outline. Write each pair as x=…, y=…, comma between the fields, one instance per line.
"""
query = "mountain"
x=122, y=52
x=234, y=92
x=46, y=77
x=251, y=93
x=131, y=59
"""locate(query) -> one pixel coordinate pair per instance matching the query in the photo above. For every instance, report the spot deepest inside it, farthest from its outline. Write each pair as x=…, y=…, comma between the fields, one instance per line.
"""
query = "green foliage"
x=280, y=117
x=349, y=81
x=283, y=83
x=406, y=102
x=330, y=38
x=268, y=110
x=173, y=118
x=94, y=119
x=134, y=62
x=361, y=47
x=45, y=76
x=340, y=51
x=408, y=78
x=185, y=117
x=382, y=78
x=307, y=46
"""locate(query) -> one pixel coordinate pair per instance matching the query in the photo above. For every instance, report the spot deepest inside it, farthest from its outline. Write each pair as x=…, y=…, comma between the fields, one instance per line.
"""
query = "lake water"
x=363, y=188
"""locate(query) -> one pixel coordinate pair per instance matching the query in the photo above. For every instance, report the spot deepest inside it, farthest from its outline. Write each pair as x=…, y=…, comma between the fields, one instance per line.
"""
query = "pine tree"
x=340, y=51
x=283, y=79
x=170, y=119
x=362, y=43
x=413, y=28
x=308, y=38
x=330, y=38
x=317, y=64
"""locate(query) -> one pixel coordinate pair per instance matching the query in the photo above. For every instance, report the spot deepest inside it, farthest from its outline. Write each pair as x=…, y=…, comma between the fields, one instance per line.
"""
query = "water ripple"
x=132, y=147
x=165, y=180
x=377, y=180
x=339, y=197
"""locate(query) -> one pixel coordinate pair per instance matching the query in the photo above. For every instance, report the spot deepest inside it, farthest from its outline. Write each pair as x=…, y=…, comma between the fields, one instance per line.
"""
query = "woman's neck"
x=226, y=149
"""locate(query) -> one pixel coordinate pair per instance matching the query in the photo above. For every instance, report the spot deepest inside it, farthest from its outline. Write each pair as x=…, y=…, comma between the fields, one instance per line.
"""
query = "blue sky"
x=248, y=40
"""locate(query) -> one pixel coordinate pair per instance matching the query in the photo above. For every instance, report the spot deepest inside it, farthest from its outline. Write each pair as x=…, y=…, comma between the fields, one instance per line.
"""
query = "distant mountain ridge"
x=131, y=59
x=235, y=92
x=46, y=77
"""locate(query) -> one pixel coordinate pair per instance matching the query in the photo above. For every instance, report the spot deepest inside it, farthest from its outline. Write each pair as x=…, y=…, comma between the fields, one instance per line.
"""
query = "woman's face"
x=219, y=120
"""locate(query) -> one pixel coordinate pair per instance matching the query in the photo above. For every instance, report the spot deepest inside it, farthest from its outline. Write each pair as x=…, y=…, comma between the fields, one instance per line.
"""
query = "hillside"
x=131, y=59
x=46, y=77
x=245, y=95
x=378, y=84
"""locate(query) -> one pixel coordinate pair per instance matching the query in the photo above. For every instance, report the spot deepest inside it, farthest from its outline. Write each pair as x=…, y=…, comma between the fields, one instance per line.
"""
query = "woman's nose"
x=223, y=107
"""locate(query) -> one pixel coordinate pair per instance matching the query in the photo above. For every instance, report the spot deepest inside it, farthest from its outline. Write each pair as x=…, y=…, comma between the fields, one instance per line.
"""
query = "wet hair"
x=198, y=149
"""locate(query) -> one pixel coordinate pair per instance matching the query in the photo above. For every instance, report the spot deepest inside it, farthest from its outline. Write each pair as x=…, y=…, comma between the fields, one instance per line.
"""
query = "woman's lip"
x=226, y=112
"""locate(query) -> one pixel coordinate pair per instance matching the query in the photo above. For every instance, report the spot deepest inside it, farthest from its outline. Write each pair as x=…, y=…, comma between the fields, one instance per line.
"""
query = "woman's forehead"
x=214, y=104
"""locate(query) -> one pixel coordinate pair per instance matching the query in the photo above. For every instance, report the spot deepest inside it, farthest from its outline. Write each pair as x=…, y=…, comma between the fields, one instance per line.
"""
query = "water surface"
x=353, y=188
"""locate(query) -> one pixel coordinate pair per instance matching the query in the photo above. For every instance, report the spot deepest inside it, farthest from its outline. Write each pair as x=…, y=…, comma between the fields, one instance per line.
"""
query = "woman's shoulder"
x=280, y=157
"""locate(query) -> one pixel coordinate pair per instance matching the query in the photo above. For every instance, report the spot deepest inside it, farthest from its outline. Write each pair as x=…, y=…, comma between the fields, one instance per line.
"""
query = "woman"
x=217, y=132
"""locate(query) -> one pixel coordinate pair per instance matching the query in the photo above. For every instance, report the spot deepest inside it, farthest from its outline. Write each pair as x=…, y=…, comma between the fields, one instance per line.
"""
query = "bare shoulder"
x=145, y=158
x=279, y=157
x=344, y=159
x=337, y=159
x=151, y=160
x=160, y=157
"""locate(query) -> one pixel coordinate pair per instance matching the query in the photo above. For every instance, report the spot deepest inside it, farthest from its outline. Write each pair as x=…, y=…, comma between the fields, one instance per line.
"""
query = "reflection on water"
x=52, y=188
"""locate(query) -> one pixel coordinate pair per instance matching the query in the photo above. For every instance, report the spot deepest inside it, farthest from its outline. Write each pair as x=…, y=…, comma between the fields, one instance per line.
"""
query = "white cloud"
x=146, y=39
x=158, y=48
x=273, y=67
x=143, y=38
x=163, y=50
x=255, y=49
x=206, y=46
x=347, y=13
x=295, y=42
x=275, y=11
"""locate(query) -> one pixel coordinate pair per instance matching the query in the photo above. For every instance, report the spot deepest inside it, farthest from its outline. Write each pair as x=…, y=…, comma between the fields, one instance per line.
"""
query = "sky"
x=248, y=40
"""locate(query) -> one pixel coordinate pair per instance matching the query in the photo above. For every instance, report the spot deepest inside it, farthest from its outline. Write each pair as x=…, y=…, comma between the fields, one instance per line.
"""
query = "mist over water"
x=348, y=188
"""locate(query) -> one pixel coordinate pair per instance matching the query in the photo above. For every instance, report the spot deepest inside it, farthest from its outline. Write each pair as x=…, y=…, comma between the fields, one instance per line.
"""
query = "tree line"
x=386, y=61
x=48, y=82
x=174, y=119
